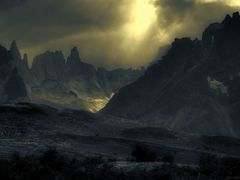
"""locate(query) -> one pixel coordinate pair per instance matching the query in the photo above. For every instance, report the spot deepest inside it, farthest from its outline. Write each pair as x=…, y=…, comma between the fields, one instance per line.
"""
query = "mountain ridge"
x=67, y=83
x=193, y=88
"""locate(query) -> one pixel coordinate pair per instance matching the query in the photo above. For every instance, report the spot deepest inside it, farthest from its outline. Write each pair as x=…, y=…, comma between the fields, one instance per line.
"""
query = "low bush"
x=168, y=158
x=142, y=153
x=52, y=166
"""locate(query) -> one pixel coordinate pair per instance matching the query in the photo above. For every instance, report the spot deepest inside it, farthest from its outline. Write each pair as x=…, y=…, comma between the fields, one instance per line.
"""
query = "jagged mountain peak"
x=74, y=51
x=13, y=44
x=232, y=22
x=74, y=56
x=25, y=60
x=74, y=64
x=25, y=57
x=15, y=51
x=236, y=15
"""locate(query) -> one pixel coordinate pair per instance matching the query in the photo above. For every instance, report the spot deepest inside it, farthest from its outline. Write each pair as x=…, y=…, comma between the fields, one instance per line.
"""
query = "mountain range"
x=55, y=81
x=194, y=88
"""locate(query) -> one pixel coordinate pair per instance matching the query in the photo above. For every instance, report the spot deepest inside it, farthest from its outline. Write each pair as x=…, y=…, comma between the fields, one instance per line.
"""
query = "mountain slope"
x=194, y=88
x=29, y=128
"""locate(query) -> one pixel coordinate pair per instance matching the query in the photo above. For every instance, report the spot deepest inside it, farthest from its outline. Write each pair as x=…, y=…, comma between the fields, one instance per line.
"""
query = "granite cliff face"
x=195, y=87
x=55, y=81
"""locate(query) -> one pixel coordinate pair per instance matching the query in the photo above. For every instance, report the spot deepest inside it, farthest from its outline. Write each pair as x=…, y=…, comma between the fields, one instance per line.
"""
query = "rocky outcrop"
x=194, y=88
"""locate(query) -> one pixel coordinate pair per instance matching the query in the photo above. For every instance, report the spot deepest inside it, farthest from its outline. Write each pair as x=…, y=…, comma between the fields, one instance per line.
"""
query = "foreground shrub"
x=52, y=166
x=219, y=168
x=142, y=153
x=230, y=167
x=168, y=158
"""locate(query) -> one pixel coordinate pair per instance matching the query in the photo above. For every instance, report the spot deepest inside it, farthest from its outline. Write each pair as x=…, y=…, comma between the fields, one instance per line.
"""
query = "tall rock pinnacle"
x=25, y=60
x=74, y=58
x=15, y=51
x=74, y=62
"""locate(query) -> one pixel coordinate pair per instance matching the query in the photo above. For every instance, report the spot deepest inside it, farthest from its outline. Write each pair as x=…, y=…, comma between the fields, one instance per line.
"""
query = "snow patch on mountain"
x=217, y=85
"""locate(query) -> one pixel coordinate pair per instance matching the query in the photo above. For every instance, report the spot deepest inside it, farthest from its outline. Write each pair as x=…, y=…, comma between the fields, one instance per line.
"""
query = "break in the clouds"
x=108, y=33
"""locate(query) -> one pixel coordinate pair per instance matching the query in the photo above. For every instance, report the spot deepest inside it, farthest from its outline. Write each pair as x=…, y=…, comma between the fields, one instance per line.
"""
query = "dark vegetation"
x=219, y=168
x=168, y=158
x=142, y=153
x=53, y=166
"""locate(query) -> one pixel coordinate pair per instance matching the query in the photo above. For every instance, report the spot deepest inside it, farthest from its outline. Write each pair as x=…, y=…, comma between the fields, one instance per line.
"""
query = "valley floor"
x=31, y=129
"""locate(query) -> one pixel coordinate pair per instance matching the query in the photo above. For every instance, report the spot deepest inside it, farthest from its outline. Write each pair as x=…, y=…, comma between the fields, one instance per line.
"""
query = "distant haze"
x=121, y=33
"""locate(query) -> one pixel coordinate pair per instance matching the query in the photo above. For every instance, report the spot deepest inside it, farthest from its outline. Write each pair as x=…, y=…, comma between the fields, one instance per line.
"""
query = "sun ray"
x=142, y=16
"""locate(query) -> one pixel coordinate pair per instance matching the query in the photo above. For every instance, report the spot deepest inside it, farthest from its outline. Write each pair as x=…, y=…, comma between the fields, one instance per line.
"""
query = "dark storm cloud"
x=92, y=25
x=102, y=29
x=40, y=21
x=190, y=17
x=8, y=4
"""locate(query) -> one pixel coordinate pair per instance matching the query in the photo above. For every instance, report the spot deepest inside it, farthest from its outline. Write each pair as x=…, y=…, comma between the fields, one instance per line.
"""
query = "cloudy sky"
x=111, y=33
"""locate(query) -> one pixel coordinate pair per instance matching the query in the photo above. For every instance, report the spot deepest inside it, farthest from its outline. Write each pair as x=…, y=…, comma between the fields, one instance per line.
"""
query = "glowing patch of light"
x=96, y=104
x=142, y=16
x=234, y=3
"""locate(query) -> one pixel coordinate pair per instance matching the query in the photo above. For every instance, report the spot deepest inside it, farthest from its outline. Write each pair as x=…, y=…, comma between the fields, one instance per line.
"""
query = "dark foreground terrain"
x=51, y=166
x=128, y=149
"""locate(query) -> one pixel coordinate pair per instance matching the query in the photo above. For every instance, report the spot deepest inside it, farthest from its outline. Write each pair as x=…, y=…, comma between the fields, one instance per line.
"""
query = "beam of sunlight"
x=142, y=16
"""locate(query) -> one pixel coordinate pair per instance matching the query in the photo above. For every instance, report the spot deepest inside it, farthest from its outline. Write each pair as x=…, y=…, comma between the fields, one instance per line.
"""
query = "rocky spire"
x=74, y=64
x=232, y=21
x=74, y=58
x=75, y=54
x=25, y=57
x=226, y=19
x=15, y=51
x=25, y=60
x=236, y=16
